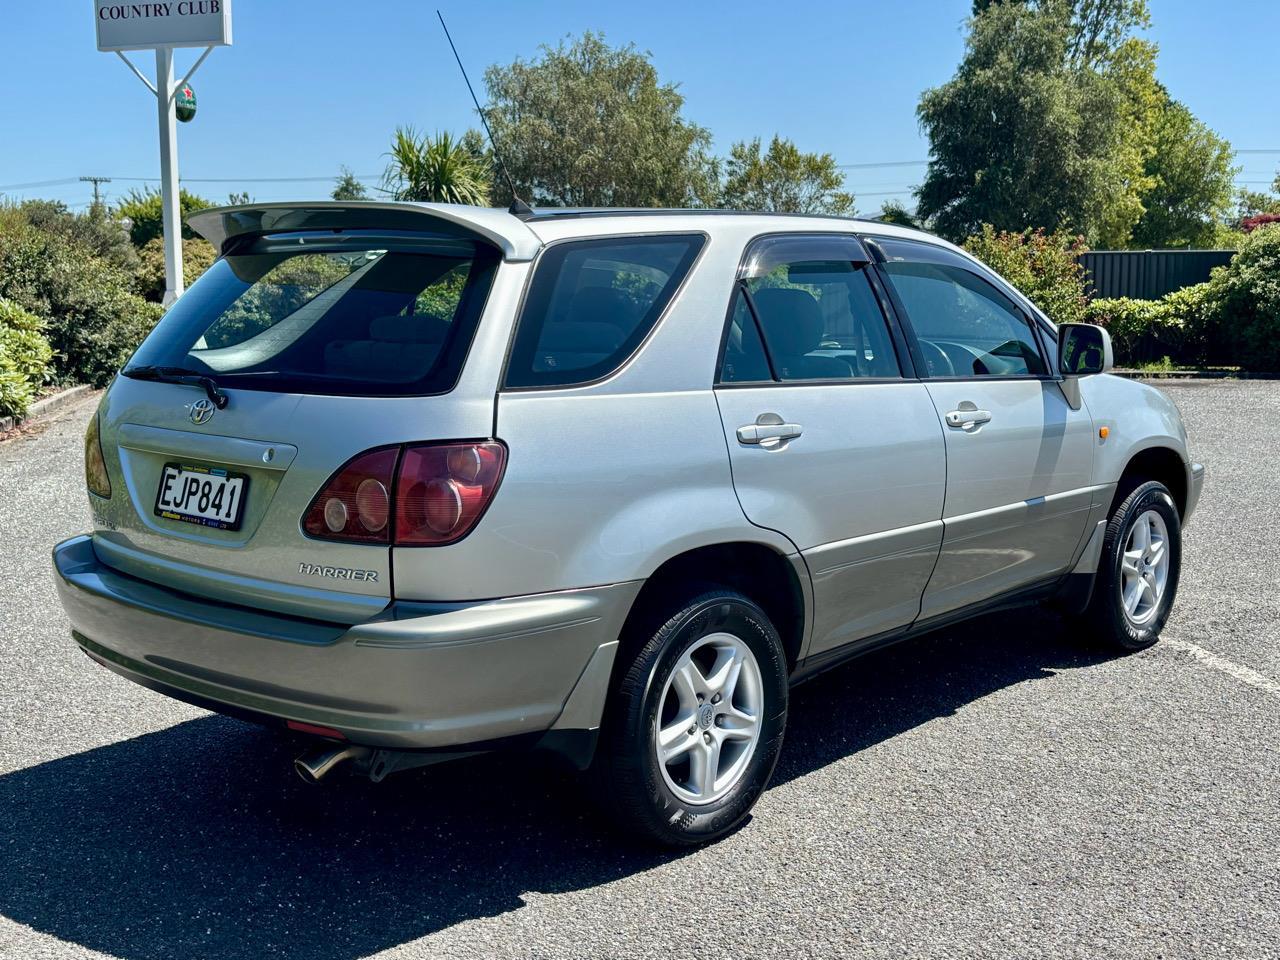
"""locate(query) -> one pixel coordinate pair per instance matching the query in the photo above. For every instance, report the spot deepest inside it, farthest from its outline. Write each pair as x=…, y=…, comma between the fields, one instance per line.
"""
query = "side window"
x=816, y=310
x=966, y=327
x=744, y=356
x=590, y=304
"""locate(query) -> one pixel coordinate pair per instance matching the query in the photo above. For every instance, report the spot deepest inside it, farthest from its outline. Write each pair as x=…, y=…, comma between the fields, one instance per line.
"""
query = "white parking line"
x=1222, y=665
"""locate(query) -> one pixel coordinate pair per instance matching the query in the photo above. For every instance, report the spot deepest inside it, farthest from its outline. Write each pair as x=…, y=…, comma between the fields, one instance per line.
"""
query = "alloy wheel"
x=709, y=718
x=1144, y=567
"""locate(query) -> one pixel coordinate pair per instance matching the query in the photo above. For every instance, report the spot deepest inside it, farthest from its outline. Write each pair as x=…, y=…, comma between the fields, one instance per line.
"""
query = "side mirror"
x=1083, y=349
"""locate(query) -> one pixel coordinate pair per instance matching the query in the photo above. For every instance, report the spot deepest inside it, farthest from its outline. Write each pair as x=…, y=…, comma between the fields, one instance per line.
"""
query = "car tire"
x=718, y=762
x=1137, y=578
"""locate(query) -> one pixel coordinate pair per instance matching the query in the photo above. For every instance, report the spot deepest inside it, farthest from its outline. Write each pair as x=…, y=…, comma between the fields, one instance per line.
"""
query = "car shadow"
x=198, y=840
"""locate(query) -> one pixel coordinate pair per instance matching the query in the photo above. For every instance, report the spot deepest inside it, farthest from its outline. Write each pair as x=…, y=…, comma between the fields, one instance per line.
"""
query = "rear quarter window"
x=592, y=302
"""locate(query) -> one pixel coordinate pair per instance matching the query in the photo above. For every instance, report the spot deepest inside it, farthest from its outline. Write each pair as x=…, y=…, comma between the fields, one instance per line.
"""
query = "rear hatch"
x=326, y=332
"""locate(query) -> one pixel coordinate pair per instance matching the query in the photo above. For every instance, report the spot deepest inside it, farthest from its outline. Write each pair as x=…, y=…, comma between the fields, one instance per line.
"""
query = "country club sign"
x=178, y=23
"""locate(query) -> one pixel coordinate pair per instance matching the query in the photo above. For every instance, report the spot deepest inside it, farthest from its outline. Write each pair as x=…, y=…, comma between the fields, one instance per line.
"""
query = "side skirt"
x=1023, y=596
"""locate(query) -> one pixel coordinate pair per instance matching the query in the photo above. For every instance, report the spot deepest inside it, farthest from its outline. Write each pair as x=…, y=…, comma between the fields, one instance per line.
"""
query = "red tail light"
x=442, y=490
x=423, y=495
x=356, y=502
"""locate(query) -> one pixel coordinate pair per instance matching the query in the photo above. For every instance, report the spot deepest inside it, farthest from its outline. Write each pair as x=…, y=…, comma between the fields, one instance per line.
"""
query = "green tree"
x=144, y=208
x=439, y=169
x=892, y=211
x=1044, y=123
x=347, y=187
x=587, y=124
x=1191, y=171
x=783, y=180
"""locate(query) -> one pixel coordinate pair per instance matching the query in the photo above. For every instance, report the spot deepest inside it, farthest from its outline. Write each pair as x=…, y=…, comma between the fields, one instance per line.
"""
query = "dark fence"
x=1148, y=274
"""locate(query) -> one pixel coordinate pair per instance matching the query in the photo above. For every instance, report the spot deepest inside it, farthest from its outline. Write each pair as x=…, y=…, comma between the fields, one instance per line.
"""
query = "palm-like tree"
x=439, y=169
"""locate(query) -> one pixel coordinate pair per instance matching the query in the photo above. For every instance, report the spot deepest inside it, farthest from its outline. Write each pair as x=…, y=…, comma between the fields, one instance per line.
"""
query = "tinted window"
x=590, y=304
x=744, y=356
x=325, y=313
x=966, y=327
x=820, y=319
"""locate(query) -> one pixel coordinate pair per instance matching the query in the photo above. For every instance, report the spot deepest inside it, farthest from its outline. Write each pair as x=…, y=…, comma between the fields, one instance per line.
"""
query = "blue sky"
x=312, y=84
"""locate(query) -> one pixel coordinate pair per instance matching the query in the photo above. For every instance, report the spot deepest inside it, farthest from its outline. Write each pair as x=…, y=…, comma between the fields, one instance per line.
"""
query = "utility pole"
x=97, y=200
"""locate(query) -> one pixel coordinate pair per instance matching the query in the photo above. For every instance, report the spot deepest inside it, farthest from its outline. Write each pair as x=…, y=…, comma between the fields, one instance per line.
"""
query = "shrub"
x=1041, y=265
x=1250, y=224
x=96, y=319
x=1175, y=327
x=1245, y=303
x=145, y=210
x=104, y=236
x=24, y=358
x=197, y=256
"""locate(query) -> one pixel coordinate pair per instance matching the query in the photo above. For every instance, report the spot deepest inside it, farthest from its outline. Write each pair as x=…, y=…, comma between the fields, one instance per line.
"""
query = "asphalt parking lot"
x=992, y=790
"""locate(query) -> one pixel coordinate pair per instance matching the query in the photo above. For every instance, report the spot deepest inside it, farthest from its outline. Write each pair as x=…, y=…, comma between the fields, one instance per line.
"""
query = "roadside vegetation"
x=1052, y=136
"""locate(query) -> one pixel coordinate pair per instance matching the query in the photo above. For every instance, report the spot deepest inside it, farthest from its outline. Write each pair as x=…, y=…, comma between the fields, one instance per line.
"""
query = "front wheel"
x=696, y=722
x=1138, y=571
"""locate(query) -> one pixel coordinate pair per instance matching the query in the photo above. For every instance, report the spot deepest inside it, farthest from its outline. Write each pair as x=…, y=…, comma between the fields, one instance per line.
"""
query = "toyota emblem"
x=201, y=411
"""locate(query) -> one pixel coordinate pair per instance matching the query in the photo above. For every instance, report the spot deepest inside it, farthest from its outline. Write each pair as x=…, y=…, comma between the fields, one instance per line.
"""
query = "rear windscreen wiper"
x=193, y=378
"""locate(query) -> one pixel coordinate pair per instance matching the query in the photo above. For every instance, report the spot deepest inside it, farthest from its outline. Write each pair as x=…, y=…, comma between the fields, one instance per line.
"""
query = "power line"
x=40, y=183
x=362, y=176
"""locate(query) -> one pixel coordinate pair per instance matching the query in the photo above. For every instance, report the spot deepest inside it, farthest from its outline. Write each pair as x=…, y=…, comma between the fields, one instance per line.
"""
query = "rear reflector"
x=421, y=495
x=319, y=731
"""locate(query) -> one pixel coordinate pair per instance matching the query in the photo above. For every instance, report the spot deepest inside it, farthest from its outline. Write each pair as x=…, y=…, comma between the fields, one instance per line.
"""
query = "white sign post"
x=162, y=26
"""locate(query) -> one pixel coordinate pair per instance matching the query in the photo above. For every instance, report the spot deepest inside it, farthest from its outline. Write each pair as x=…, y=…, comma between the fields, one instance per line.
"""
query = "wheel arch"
x=1162, y=463
x=778, y=582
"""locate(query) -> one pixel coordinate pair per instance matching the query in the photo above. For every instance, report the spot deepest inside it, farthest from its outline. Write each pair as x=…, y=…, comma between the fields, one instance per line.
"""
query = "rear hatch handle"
x=183, y=375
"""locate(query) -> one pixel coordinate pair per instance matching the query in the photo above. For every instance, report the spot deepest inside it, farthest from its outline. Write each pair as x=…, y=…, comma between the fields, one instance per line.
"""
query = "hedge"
x=96, y=318
x=24, y=358
x=1233, y=319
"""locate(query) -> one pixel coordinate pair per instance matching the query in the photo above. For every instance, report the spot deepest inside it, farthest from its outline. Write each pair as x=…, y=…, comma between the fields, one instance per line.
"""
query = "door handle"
x=967, y=417
x=769, y=430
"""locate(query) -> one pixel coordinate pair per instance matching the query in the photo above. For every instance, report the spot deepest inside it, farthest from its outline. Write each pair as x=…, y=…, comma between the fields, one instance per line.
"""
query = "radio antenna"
x=518, y=206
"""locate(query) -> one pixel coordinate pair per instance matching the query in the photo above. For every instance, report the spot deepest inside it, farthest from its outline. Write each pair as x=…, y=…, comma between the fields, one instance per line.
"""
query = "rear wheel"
x=696, y=722
x=1138, y=571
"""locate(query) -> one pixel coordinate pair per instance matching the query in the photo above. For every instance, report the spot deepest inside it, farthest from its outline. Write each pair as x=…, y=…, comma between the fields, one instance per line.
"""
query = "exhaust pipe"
x=319, y=762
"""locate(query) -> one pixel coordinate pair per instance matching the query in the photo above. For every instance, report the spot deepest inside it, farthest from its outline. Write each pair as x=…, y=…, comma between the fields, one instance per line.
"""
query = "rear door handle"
x=769, y=430
x=965, y=418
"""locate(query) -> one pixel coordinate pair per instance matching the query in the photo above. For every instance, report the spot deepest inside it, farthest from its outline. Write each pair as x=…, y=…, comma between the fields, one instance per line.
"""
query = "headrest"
x=570, y=337
x=402, y=329
x=791, y=318
x=603, y=305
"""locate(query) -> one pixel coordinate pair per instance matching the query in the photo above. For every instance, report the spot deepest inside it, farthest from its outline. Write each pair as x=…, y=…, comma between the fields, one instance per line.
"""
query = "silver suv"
x=419, y=481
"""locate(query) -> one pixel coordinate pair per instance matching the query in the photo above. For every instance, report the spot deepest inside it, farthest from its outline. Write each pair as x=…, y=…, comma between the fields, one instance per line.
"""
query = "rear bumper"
x=416, y=676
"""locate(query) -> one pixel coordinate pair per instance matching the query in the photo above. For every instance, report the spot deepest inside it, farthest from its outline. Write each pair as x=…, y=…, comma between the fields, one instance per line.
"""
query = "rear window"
x=330, y=313
x=592, y=302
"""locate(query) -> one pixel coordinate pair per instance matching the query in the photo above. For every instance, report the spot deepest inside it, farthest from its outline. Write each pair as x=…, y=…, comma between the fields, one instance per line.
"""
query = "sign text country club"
x=176, y=23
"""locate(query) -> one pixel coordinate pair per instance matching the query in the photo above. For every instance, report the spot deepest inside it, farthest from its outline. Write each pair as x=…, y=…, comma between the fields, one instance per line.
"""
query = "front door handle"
x=967, y=417
x=769, y=430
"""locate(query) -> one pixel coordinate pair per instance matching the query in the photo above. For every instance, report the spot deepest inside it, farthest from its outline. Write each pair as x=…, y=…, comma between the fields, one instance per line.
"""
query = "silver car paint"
x=414, y=676
x=1019, y=489
x=605, y=482
x=860, y=492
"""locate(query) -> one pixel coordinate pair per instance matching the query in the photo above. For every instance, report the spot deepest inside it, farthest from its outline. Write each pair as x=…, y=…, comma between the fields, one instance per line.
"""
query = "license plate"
x=209, y=496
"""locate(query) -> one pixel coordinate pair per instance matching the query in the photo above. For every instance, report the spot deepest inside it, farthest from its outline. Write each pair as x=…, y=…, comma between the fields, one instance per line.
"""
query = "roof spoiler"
x=499, y=228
